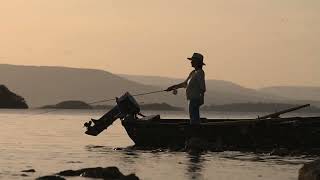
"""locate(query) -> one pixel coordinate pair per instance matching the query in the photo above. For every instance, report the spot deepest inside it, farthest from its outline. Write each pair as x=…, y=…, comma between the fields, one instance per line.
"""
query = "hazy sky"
x=255, y=43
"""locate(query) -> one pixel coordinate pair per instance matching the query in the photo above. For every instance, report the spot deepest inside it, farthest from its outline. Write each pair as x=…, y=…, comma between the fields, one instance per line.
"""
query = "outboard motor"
x=126, y=105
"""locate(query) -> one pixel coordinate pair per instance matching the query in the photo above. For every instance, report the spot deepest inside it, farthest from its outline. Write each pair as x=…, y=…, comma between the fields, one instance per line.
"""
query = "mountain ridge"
x=42, y=85
x=295, y=92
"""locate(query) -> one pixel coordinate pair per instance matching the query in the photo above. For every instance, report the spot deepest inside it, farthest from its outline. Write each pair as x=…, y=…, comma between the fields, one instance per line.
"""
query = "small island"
x=11, y=100
x=76, y=104
x=160, y=107
x=150, y=106
x=73, y=104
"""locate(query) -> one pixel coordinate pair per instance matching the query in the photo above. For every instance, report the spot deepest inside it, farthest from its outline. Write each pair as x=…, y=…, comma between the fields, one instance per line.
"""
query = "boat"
x=266, y=132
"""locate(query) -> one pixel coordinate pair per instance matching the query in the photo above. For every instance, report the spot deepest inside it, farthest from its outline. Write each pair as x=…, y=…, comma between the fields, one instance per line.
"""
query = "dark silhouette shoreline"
x=72, y=104
x=11, y=100
x=76, y=104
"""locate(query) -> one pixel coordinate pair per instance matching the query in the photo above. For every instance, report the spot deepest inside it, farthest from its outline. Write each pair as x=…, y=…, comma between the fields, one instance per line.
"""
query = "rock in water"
x=109, y=172
x=129, y=177
x=310, y=171
x=50, y=178
x=11, y=100
x=99, y=172
x=29, y=170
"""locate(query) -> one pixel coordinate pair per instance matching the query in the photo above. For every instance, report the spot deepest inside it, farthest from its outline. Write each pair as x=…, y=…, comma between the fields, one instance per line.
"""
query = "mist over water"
x=55, y=141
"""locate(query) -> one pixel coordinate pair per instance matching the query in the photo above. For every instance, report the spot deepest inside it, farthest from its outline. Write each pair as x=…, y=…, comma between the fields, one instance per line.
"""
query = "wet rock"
x=9, y=99
x=118, y=149
x=310, y=171
x=29, y=170
x=70, y=173
x=129, y=177
x=50, y=178
x=74, y=162
x=109, y=172
x=99, y=172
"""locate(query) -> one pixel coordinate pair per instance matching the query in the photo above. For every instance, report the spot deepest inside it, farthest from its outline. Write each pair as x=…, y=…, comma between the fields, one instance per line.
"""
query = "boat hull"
x=236, y=134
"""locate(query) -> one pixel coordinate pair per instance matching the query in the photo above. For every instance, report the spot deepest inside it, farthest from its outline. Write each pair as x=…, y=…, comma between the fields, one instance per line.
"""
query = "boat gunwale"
x=209, y=122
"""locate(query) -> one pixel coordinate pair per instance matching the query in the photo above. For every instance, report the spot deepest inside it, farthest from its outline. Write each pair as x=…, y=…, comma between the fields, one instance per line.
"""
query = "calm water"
x=53, y=142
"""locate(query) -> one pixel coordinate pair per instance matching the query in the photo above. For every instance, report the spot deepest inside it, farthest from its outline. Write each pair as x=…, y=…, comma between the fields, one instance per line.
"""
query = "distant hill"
x=42, y=85
x=75, y=104
x=224, y=92
x=218, y=91
x=160, y=106
x=72, y=104
x=294, y=92
x=152, y=80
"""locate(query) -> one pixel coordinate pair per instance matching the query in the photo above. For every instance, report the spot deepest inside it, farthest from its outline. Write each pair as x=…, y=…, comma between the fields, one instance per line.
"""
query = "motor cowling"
x=126, y=105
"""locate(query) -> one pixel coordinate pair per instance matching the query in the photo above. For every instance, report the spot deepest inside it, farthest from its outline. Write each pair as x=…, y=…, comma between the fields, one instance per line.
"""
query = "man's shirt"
x=196, y=85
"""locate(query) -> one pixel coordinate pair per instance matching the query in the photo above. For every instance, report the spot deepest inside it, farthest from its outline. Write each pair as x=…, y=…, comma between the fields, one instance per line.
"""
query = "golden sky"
x=255, y=43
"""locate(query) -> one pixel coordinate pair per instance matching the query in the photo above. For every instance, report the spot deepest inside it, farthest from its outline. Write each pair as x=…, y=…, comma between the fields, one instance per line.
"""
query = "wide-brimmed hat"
x=197, y=57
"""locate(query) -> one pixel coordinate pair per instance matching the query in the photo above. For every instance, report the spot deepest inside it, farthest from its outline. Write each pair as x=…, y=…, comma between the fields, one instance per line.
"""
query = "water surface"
x=55, y=141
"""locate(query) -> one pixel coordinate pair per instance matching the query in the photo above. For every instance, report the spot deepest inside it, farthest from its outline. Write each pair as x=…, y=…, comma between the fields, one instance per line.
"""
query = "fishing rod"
x=135, y=95
x=106, y=100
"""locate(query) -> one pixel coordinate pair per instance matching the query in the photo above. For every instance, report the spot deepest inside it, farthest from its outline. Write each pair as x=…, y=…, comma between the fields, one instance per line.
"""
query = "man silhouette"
x=195, y=87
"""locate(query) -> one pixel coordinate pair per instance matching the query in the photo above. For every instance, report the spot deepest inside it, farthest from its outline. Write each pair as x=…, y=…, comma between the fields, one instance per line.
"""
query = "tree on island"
x=11, y=100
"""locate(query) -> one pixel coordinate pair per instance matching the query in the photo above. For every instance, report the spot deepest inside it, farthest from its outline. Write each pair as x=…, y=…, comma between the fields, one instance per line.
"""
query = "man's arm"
x=200, y=77
x=180, y=85
x=177, y=86
x=202, y=82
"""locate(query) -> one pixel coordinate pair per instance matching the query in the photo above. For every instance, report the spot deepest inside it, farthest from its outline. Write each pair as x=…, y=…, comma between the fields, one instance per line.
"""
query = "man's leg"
x=194, y=111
